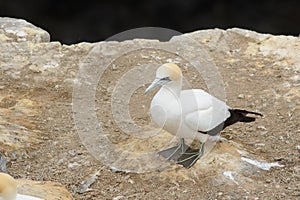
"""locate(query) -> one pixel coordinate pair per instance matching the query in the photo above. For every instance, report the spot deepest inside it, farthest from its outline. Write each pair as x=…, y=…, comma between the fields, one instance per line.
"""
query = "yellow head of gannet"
x=8, y=187
x=166, y=73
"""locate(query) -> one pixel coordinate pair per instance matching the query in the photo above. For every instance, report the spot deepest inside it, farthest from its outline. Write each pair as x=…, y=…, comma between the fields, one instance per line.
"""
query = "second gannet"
x=189, y=114
x=8, y=189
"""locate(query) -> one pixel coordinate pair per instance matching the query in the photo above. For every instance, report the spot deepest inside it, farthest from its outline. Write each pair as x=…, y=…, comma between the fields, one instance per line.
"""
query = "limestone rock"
x=44, y=190
x=19, y=30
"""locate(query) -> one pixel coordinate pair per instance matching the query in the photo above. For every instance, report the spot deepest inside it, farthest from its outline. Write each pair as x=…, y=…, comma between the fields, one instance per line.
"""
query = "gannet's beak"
x=157, y=82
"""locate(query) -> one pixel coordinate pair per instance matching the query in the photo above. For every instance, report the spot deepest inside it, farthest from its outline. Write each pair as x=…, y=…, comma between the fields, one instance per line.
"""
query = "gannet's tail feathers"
x=247, y=112
x=237, y=115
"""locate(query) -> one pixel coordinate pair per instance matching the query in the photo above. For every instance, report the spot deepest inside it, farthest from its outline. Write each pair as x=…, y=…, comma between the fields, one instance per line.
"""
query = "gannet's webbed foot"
x=183, y=154
x=174, y=153
x=190, y=157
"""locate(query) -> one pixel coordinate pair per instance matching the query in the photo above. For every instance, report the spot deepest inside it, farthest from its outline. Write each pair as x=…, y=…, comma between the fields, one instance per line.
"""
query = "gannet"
x=8, y=189
x=189, y=114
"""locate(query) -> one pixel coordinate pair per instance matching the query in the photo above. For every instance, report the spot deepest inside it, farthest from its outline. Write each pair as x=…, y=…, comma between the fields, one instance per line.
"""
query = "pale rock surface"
x=46, y=190
x=19, y=30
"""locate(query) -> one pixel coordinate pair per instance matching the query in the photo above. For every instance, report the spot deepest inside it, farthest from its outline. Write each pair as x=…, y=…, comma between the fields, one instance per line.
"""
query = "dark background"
x=71, y=21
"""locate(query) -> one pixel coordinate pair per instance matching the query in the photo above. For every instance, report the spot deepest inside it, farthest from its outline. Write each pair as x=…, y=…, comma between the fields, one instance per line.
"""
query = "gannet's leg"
x=175, y=152
x=190, y=157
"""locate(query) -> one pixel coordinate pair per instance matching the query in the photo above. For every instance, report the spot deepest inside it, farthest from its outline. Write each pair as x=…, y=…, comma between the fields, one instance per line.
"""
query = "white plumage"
x=193, y=114
x=186, y=115
x=26, y=197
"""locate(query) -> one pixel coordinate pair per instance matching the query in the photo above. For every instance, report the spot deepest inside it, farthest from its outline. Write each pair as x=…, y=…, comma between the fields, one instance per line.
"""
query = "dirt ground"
x=253, y=83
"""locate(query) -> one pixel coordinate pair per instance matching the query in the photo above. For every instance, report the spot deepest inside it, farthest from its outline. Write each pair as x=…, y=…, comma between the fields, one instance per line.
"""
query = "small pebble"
x=296, y=78
x=278, y=158
x=268, y=181
x=130, y=181
x=72, y=153
x=241, y=96
x=114, y=67
x=261, y=128
x=60, y=161
x=73, y=165
x=260, y=145
x=118, y=197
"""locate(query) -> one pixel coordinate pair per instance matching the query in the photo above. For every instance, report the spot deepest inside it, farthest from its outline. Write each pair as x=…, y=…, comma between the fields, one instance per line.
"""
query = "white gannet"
x=189, y=114
x=8, y=189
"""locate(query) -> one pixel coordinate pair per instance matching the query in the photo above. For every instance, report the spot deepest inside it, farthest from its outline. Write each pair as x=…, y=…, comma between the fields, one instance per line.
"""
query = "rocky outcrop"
x=61, y=104
x=45, y=190
x=18, y=30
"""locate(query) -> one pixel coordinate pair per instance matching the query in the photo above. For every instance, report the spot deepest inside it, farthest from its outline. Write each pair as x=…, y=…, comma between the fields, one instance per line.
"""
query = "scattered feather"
x=84, y=187
x=262, y=164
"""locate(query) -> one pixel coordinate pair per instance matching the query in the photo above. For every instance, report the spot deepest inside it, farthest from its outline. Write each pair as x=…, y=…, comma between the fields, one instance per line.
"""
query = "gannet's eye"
x=165, y=79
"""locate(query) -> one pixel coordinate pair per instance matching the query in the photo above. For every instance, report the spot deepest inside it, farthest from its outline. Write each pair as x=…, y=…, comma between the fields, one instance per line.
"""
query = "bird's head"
x=165, y=74
x=8, y=187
